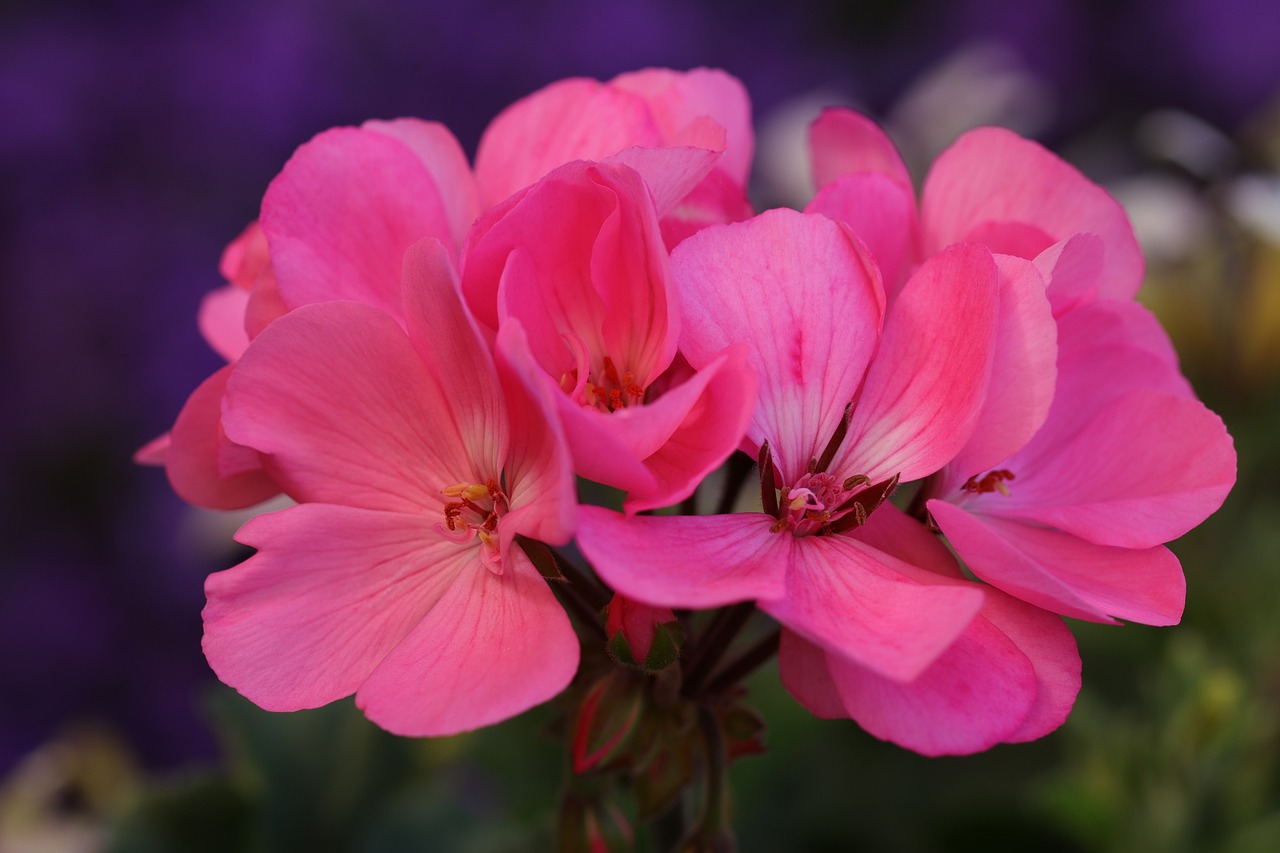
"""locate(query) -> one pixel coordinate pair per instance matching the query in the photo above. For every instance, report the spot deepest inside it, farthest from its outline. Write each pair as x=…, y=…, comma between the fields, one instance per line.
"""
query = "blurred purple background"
x=136, y=139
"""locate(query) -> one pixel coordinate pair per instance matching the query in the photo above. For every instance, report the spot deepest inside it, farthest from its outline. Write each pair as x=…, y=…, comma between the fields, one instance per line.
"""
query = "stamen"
x=768, y=488
x=829, y=452
x=992, y=481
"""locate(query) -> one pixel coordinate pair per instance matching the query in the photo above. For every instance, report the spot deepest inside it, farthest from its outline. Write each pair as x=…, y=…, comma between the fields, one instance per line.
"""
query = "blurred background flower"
x=136, y=139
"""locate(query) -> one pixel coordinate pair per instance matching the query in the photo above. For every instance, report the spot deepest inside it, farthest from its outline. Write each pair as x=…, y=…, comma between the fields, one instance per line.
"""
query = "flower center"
x=992, y=481
x=819, y=503
x=605, y=389
x=473, y=510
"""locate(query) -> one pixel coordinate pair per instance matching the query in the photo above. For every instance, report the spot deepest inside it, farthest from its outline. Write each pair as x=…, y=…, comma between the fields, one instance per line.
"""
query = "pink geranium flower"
x=335, y=224
x=416, y=460
x=579, y=261
x=844, y=414
x=656, y=108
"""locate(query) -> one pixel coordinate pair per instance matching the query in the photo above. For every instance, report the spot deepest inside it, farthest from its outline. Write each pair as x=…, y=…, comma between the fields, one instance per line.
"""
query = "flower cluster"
x=425, y=355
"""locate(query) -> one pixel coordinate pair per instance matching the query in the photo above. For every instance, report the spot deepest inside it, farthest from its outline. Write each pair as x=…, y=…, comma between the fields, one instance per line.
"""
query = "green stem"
x=745, y=663
x=712, y=643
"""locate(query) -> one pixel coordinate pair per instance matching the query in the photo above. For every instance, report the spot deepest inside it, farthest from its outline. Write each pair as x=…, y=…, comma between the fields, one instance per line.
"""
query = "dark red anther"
x=860, y=506
x=768, y=487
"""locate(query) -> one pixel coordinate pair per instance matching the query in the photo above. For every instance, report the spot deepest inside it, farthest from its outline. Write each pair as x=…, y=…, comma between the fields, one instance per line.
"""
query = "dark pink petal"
x=349, y=413
x=265, y=304
x=197, y=445
x=923, y=555
x=805, y=298
x=154, y=452
x=1144, y=470
x=246, y=257
x=540, y=476
x=976, y=694
x=686, y=561
x=330, y=592
x=882, y=212
x=677, y=100
x=455, y=355
x=444, y=159
x=221, y=320
x=925, y=388
x=714, y=201
x=844, y=142
x=803, y=668
x=1023, y=373
x=575, y=119
x=853, y=600
x=1118, y=323
x=1072, y=269
x=1063, y=573
x=491, y=647
x=1047, y=642
x=340, y=215
x=992, y=182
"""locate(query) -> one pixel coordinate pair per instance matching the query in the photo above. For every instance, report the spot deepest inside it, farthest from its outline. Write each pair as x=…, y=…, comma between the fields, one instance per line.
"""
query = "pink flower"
x=579, y=261
x=584, y=119
x=1126, y=459
x=845, y=412
x=335, y=224
x=416, y=460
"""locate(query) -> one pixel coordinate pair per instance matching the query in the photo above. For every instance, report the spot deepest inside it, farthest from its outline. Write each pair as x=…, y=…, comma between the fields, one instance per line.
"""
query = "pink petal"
x=1072, y=268
x=854, y=601
x=330, y=592
x=539, y=473
x=575, y=119
x=1144, y=470
x=844, y=142
x=1117, y=323
x=246, y=257
x=670, y=173
x=803, y=668
x=197, y=445
x=685, y=561
x=992, y=178
x=492, y=647
x=1063, y=573
x=882, y=212
x=805, y=299
x=678, y=100
x=154, y=452
x=924, y=390
x=714, y=201
x=444, y=159
x=221, y=320
x=340, y=215
x=976, y=694
x=348, y=411
x=1023, y=373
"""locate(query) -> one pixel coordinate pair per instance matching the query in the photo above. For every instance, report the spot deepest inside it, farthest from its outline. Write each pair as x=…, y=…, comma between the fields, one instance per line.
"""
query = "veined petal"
x=853, y=601
x=925, y=388
x=685, y=561
x=805, y=299
x=337, y=396
x=1063, y=573
x=574, y=119
x=197, y=445
x=341, y=214
x=882, y=212
x=491, y=647
x=670, y=173
x=330, y=592
x=991, y=179
x=845, y=142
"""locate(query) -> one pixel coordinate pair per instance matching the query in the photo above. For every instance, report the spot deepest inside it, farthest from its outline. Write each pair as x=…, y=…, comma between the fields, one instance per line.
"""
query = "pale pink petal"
x=993, y=180
x=340, y=215
x=1063, y=573
x=844, y=142
x=539, y=473
x=575, y=119
x=1072, y=269
x=492, y=647
x=976, y=694
x=925, y=388
x=686, y=561
x=454, y=354
x=670, y=173
x=330, y=592
x=439, y=151
x=805, y=298
x=1023, y=373
x=154, y=452
x=197, y=444
x=678, y=99
x=854, y=601
x=1119, y=323
x=1144, y=470
x=802, y=666
x=246, y=257
x=714, y=201
x=882, y=212
x=221, y=320
x=710, y=430
x=265, y=304
x=348, y=412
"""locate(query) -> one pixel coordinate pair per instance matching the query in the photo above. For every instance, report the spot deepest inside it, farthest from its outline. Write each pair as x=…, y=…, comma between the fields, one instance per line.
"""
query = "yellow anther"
x=467, y=491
